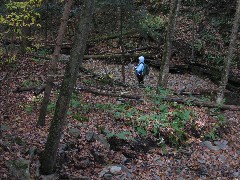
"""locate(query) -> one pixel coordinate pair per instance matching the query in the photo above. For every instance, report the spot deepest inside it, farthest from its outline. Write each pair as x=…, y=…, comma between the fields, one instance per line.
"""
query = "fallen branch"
x=193, y=102
x=202, y=103
x=23, y=89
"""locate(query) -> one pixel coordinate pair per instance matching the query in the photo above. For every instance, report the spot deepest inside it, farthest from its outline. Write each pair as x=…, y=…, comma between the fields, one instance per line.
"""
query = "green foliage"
x=21, y=14
x=217, y=59
x=88, y=82
x=175, y=121
x=125, y=135
x=28, y=108
x=153, y=25
x=29, y=83
x=80, y=117
x=219, y=124
x=51, y=107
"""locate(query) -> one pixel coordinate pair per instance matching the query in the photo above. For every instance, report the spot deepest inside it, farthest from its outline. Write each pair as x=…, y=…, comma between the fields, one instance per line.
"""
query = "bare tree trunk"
x=121, y=42
x=228, y=59
x=49, y=155
x=193, y=32
x=164, y=69
x=53, y=64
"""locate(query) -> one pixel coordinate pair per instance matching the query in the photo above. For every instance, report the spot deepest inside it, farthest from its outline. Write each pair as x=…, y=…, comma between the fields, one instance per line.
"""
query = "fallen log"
x=23, y=89
x=202, y=103
x=170, y=99
x=193, y=102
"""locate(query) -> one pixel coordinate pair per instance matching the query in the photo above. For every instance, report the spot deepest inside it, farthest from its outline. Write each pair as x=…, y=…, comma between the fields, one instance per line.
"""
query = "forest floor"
x=86, y=150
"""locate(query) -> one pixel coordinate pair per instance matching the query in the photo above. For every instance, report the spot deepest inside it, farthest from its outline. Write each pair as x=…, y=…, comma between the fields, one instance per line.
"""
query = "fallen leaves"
x=195, y=161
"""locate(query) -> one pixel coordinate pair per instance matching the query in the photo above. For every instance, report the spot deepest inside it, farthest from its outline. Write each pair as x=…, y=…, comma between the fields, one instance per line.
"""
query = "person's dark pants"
x=140, y=79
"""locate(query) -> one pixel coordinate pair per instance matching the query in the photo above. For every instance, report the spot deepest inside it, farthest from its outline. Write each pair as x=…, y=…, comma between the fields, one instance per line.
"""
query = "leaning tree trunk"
x=53, y=64
x=49, y=155
x=164, y=69
x=227, y=61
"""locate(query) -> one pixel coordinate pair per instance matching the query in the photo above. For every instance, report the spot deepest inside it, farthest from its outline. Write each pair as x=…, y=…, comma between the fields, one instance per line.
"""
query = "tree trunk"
x=53, y=64
x=194, y=25
x=49, y=155
x=121, y=42
x=228, y=59
x=164, y=68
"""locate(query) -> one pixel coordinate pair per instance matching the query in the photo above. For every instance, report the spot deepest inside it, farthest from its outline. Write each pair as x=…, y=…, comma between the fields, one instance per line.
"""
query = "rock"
x=102, y=140
x=75, y=132
x=103, y=172
x=4, y=127
x=209, y=145
x=115, y=170
x=236, y=174
x=157, y=160
x=221, y=144
x=108, y=176
x=90, y=136
x=19, y=168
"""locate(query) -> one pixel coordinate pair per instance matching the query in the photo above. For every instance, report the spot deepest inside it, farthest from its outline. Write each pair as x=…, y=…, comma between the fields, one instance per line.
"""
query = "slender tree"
x=194, y=25
x=48, y=157
x=53, y=63
x=228, y=59
x=164, y=68
x=121, y=41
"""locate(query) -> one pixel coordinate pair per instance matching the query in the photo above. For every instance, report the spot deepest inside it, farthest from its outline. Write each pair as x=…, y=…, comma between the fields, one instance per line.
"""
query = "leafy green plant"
x=29, y=83
x=152, y=25
x=28, y=108
x=125, y=135
x=88, y=82
x=80, y=117
x=51, y=106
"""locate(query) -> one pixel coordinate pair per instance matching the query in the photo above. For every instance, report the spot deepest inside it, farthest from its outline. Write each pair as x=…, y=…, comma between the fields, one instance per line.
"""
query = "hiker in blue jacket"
x=139, y=70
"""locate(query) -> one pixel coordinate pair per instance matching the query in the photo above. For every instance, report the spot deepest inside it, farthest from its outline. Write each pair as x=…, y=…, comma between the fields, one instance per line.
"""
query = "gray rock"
x=91, y=136
x=115, y=170
x=108, y=176
x=19, y=168
x=4, y=127
x=209, y=145
x=236, y=174
x=75, y=132
x=221, y=144
x=222, y=158
x=157, y=160
x=103, y=140
x=103, y=172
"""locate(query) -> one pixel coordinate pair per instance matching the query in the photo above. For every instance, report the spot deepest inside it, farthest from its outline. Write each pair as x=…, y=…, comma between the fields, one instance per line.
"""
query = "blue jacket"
x=140, y=66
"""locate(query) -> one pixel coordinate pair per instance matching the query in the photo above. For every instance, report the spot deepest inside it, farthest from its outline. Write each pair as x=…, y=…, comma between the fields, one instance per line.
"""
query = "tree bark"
x=49, y=155
x=164, y=68
x=53, y=64
x=228, y=60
